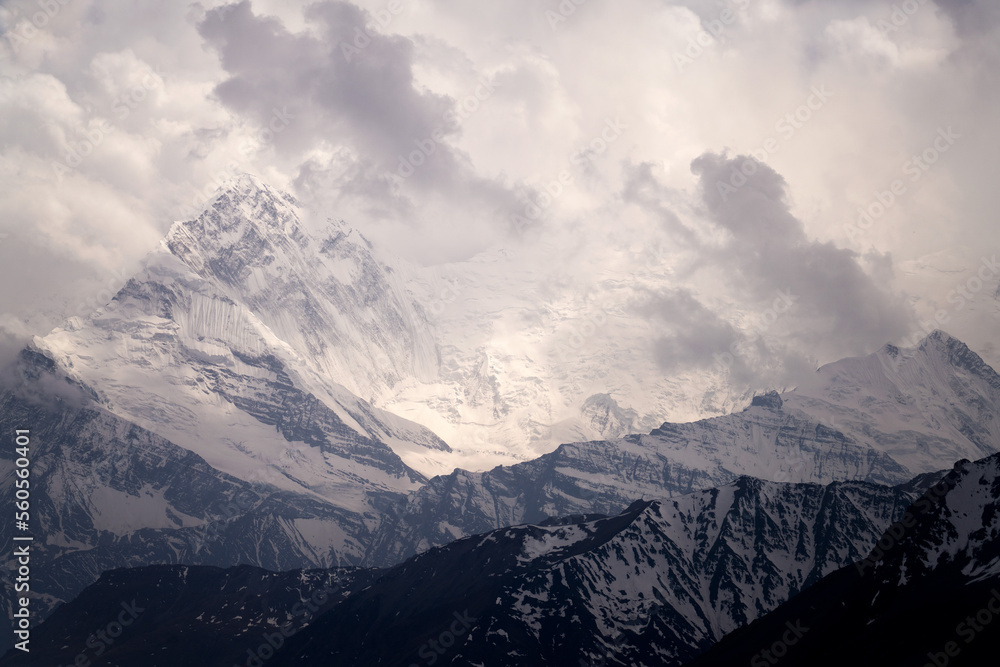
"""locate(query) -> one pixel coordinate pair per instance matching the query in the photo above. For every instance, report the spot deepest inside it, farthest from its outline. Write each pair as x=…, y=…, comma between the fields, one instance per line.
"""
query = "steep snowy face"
x=532, y=358
x=926, y=407
x=230, y=342
x=326, y=297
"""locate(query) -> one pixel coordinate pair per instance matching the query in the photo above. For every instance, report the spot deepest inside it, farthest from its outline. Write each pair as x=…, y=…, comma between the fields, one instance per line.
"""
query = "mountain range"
x=252, y=396
x=656, y=584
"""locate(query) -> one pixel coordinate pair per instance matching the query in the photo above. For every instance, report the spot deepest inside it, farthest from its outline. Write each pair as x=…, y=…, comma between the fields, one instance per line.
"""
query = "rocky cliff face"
x=106, y=493
x=926, y=594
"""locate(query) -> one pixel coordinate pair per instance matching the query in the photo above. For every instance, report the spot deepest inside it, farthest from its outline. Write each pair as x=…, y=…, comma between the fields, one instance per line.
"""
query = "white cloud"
x=211, y=79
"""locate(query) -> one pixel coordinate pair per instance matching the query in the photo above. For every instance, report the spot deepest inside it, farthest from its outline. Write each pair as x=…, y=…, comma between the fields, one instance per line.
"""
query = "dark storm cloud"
x=369, y=92
x=768, y=253
x=797, y=298
x=695, y=333
x=348, y=84
x=10, y=346
x=971, y=17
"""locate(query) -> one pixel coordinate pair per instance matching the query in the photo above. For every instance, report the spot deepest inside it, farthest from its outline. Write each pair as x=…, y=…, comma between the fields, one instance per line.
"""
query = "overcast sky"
x=734, y=143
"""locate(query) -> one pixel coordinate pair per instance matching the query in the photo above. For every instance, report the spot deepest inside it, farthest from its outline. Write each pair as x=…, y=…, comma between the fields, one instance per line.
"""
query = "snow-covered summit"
x=926, y=406
x=240, y=320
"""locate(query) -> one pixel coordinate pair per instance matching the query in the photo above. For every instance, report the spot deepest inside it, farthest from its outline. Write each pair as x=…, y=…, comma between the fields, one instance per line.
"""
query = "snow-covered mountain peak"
x=958, y=355
x=247, y=224
x=243, y=313
x=320, y=290
x=939, y=339
x=926, y=406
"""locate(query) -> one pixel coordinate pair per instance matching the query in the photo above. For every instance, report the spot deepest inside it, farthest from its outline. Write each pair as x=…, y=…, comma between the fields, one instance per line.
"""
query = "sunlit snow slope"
x=248, y=341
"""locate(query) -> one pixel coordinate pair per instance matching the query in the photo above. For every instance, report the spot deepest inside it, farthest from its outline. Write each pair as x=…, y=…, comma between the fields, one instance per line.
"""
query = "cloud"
x=364, y=95
x=753, y=295
x=970, y=17
x=14, y=335
x=769, y=253
x=696, y=334
x=643, y=189
x=344, y=86
x=208, y=85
